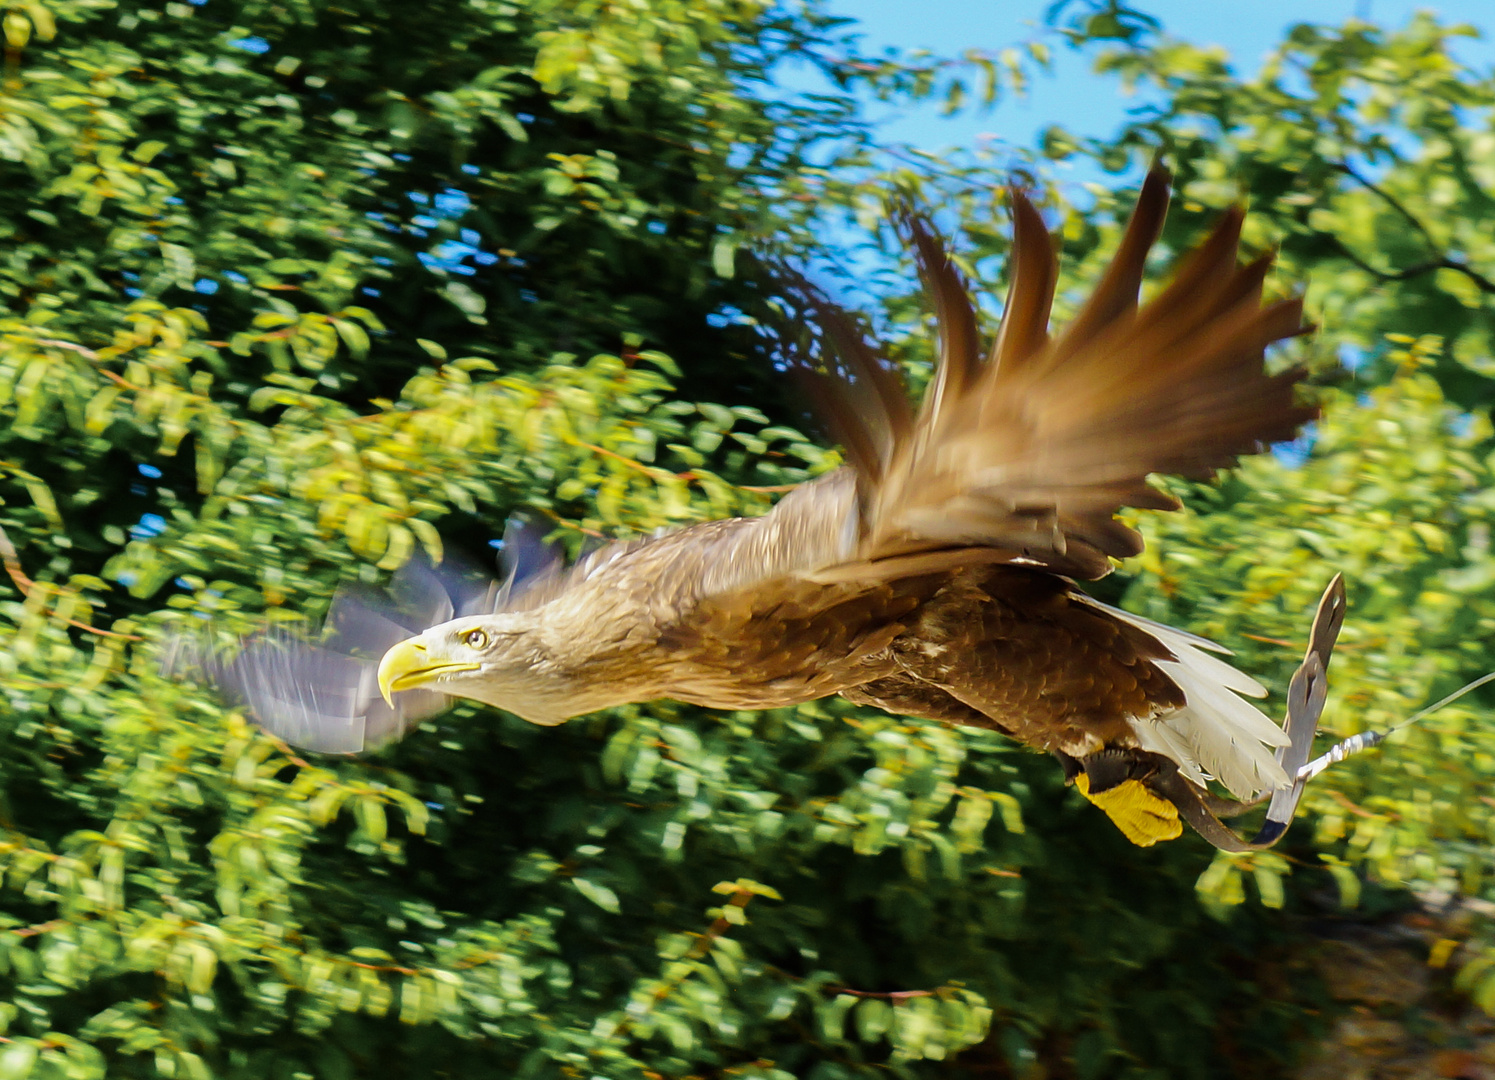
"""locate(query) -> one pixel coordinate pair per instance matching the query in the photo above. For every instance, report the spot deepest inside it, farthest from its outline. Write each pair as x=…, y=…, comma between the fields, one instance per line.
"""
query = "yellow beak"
x=408, y=665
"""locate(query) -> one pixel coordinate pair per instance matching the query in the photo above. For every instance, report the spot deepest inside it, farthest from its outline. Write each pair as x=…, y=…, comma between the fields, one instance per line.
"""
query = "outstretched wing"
x=1018, y=454
x=313, y=696
x=1027, y=451
x=1023, y=454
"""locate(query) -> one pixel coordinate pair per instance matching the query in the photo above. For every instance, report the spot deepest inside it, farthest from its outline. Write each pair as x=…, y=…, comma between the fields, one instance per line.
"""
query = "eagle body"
x=1024, y=651
x=933, y=576
x=1008, y=647
x=1005, y=647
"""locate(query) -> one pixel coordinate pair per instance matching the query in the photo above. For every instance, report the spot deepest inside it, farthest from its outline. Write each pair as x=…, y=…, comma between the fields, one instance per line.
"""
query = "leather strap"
x=1305, y=704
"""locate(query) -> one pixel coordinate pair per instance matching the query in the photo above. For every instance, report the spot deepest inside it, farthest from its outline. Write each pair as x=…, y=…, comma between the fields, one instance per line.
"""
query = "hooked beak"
x=408, y=665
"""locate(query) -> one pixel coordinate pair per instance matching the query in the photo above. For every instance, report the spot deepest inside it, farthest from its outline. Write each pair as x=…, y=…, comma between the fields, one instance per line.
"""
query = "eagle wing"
x=1026, y=451
x=323, y=695
x=1018, y=454
x=1021, y=454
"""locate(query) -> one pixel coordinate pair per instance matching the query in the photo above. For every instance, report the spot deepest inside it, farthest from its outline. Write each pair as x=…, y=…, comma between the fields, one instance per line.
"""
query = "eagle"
x=935, y=575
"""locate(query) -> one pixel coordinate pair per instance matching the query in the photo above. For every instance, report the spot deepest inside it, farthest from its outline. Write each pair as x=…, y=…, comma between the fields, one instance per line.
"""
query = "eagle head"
x=496, y=659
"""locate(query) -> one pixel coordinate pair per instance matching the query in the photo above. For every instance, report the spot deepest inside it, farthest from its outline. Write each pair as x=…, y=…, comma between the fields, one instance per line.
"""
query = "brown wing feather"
x=1116, y=294
x=959, y=363
x=1052, y=439
x=1035, y=274
x=857, y=392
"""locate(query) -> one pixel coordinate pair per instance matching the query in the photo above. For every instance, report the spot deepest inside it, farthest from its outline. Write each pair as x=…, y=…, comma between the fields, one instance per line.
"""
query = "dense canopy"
x=293, y=290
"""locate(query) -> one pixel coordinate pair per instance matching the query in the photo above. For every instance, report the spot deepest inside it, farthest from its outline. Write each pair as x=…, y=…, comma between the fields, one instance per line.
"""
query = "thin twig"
x=1440, y=261
x=704, y=942
x=25, y=585
x=39, y=928
x=1391, y=201
x=71, y=346
x=1299, y=646
x=1352, y=807
x=393, y=969
x=286, y=750
x=894, y=996
x=1483, y=283
x=567, y=524
x=1272, y=641
x=649, y=470
x=739, y=899
x=89, y=354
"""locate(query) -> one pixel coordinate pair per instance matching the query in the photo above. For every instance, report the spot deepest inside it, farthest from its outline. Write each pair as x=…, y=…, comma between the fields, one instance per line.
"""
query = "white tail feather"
x=1229, y=739
x=1216, y=734
x=1159, y=738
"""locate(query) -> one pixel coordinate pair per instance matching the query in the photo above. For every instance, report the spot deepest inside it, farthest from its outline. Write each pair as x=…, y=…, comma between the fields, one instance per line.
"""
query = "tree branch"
x=1484, y=284
x=1391, y=201
x=24, y=585
x=894, y=996
x=1437, y=262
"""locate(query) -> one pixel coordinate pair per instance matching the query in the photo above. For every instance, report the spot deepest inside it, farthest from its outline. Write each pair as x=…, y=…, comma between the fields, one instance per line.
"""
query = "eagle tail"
x=1217, y=734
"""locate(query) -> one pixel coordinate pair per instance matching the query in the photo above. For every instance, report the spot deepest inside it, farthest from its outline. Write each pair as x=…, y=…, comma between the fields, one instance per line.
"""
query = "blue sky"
x=1071, y=96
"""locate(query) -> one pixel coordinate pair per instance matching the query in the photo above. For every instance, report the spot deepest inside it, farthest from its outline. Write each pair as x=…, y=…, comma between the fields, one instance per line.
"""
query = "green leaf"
x=354, y=337
x=146, y=150
x=832, y=1017
x=466, y=300
x=1269, y=886
x=873, y=1019
x=723, y=256
x=17, y=1060
x=1345, y=878
x=600, y=895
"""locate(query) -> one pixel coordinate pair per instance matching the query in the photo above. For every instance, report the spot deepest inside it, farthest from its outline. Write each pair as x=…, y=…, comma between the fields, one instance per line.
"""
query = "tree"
x=295, y=289
x=1363, y=159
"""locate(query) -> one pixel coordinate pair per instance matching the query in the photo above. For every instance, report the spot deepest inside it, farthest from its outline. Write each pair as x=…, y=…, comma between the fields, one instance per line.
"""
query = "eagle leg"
x=1114, y=766
x=1148, y=798
x=1115, y=779
x=1143, y=816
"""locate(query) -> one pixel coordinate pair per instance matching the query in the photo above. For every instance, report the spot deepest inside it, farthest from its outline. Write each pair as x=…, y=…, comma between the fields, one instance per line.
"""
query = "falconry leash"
x=1305, y=704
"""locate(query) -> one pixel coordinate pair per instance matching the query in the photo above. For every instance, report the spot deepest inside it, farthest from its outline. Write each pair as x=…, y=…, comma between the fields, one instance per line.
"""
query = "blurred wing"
x=323, y=695
x=534, y=570
x=317, y=698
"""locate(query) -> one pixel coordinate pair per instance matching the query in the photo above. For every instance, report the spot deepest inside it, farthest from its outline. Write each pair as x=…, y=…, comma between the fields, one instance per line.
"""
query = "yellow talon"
x=1143, y=817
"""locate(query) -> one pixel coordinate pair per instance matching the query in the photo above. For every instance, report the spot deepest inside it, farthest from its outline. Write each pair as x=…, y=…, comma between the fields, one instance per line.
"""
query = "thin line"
x=1449, y=700
x=1366, y=739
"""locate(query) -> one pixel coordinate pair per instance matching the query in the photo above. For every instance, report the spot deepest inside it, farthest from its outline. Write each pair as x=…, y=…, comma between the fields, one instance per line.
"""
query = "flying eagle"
x=933, y=576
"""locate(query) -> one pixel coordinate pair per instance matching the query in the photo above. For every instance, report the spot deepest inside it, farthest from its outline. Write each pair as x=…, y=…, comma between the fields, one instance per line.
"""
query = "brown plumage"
x=932, y=576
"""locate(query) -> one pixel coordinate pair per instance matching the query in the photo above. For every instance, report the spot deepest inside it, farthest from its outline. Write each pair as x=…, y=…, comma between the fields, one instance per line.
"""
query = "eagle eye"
x=477, y=639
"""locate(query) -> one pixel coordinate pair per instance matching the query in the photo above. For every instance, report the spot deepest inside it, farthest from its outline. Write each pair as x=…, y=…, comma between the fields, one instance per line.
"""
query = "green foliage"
x=293, y=290
x=1365, y=155
x=1367, y=158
